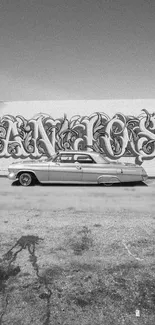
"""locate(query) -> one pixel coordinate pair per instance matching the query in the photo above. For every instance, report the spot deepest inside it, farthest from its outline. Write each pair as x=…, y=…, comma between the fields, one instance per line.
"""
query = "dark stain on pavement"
x=7, y=270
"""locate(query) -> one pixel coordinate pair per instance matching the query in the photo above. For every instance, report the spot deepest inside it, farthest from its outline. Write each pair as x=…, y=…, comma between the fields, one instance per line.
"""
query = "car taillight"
x=144, y=175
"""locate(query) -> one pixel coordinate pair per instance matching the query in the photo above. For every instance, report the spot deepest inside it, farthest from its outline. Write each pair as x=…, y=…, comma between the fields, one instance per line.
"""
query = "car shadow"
x=127, y=184
x=96, y=185
x=15, y=183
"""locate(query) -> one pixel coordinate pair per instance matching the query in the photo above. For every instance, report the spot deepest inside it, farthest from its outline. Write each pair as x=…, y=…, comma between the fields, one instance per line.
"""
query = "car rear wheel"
x=108, y=182
x=26, y=179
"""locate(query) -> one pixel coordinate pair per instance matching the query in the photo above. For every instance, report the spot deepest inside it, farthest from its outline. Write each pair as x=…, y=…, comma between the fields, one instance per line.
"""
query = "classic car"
x=75, y=167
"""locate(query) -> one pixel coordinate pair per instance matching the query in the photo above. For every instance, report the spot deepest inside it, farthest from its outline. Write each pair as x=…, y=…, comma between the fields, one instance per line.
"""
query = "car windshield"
x=52, y=158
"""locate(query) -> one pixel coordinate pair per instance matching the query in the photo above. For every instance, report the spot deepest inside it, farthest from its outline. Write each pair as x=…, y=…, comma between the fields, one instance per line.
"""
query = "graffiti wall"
x=115, y=136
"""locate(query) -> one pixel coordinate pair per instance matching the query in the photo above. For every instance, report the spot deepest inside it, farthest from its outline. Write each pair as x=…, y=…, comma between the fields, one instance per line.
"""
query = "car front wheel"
x=26, y=179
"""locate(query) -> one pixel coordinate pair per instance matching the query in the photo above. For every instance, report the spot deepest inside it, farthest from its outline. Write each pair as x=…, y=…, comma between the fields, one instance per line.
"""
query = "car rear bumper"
x=144, y=177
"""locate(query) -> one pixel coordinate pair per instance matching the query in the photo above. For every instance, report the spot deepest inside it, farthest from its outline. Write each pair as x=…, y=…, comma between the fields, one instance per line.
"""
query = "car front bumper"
x=12, y=176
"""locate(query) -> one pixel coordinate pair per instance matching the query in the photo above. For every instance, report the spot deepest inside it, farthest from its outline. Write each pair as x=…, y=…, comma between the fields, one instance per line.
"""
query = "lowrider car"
x=75, y=167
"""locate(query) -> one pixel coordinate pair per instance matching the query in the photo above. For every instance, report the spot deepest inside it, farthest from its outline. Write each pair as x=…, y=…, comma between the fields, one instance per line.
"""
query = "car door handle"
x=78, y=167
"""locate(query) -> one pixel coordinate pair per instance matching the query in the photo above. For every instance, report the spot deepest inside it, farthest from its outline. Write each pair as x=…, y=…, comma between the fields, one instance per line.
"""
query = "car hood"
x=25, y=162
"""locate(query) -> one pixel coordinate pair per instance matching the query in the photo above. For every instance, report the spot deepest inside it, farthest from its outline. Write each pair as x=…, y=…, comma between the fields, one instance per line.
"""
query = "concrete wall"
x=122, y=129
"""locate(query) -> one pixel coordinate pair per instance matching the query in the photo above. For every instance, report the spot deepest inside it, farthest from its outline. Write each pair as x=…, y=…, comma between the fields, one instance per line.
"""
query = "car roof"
x=79, y=152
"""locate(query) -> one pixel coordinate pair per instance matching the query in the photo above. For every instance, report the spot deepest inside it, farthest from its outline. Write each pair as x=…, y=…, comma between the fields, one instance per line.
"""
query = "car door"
x=65, y=169
x=90, y=169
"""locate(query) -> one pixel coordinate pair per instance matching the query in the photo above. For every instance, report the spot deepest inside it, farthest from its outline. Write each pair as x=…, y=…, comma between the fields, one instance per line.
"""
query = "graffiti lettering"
x=115, y=137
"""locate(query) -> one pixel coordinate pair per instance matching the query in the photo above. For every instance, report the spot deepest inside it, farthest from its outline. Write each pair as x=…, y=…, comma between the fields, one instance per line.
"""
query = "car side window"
x=63, y=158
x=84, y=159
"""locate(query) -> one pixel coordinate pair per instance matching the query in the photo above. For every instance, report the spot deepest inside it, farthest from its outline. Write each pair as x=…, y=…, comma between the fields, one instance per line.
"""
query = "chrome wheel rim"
x=25, y=179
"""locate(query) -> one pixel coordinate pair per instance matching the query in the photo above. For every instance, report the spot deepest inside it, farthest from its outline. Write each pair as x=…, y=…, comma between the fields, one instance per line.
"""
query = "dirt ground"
x=73, y=255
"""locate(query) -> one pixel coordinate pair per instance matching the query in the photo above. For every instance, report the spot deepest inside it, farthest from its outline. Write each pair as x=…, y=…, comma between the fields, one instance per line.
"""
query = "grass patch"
x=80, y=241
x=114, y=291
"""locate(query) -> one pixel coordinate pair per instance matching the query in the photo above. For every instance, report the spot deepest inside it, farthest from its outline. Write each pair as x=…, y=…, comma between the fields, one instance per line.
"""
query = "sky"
x=77, y=49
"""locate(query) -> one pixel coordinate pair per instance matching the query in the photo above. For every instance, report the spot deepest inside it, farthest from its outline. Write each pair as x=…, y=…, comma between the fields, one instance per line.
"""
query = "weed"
x=81, y=241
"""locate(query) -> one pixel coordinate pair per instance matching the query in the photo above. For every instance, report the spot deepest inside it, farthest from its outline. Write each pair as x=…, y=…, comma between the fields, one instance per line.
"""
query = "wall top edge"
x=78, y=100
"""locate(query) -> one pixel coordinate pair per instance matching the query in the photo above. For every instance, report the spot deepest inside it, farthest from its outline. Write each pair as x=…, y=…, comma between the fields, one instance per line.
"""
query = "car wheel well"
x=29, y=172
x=109, y=182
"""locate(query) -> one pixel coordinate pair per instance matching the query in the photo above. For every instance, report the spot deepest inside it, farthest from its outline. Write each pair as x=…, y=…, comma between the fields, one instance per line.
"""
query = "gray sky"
x=77, y=49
